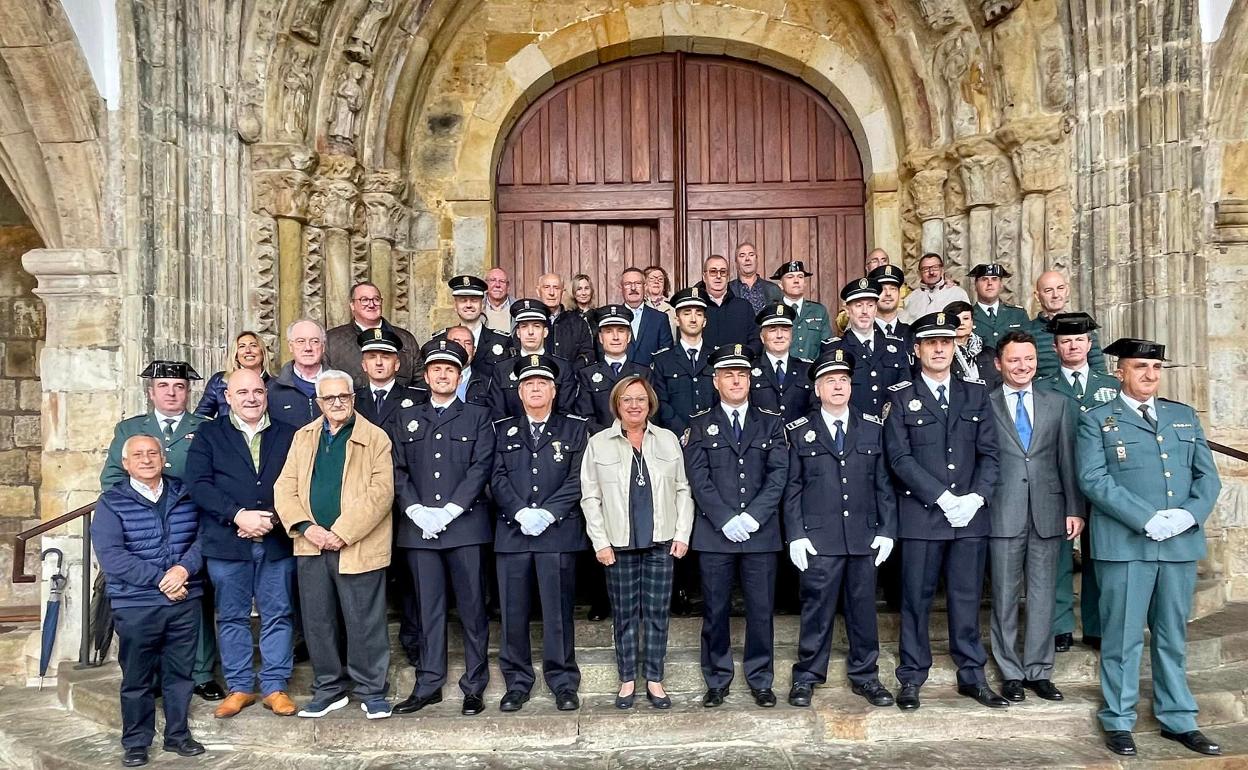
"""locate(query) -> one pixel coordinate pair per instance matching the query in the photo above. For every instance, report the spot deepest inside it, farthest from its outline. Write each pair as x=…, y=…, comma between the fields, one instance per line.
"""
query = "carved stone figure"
x=309, y=18
x=939, y=14
x=348, y=99
x=296, y=90
x=958, y=61
x=364, y=37
x=995, y=11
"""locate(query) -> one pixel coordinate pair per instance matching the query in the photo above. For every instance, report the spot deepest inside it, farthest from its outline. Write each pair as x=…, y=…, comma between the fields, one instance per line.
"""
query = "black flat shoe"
x=800, y=693
x=187, y=748
x=210, y=691
x=908, y=697
x=598, y=613
x=659, y=702
x=875, y=693
x=1092, y=641
x=1044, y=688
x=1120, y=742
x=1062, y=642
x=1012, y=690
x=567, y=700
x=624, y=702
x=983, y=695
x=135, y=756
x=414, y=703
x=1195, y=741
x=764, y=698
x=714, y=697
x=513, y=700
x=473, y=705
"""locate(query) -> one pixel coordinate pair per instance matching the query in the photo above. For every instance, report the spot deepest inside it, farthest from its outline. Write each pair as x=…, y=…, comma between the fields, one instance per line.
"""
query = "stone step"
x=37, y=734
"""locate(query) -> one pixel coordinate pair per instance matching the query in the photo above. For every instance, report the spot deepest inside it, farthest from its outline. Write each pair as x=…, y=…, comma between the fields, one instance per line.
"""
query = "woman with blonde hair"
x=582, y=291
x=249, y=353
x=638, y=512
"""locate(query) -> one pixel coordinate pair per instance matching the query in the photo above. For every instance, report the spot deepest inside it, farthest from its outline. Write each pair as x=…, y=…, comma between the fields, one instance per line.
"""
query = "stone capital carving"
x=73, y=272
x=332, y=203
x=341, y=167
x=986, y=180
x=928, y=190
x=1040, y=166
x=266, y=157
x=281, y=193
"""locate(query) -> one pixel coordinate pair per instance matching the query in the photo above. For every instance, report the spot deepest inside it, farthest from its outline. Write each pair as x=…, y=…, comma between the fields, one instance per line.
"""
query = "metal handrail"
x=1229, y=451
x=20, y=575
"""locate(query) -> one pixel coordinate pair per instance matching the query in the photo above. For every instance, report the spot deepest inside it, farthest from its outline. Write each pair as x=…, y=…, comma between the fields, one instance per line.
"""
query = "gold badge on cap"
x=466, y=281
x=441, y=344
x=377, y=333
x=940, y=318
x=863, y=283
x=736, y=349
x=693, y=292
x=533, y=360
x=840, y=356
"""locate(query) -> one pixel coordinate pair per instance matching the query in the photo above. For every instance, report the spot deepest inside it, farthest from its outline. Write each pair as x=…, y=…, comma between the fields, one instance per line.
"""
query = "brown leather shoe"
x=234, y=703
x=280, y=703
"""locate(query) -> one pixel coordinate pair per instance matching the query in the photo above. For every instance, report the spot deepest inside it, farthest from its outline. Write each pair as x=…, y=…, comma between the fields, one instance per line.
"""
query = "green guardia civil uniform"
x=812, y=327
x=176, y=446
x=1003, y=319
x=1129, y=470
x=1099, y=389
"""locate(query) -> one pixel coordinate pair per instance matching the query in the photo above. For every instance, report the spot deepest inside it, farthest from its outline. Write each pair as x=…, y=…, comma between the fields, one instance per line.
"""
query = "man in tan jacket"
x=334, y=498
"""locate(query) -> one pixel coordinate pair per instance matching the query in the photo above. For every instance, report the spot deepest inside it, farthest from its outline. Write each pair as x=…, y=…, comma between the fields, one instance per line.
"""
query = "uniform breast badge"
x=558, y=447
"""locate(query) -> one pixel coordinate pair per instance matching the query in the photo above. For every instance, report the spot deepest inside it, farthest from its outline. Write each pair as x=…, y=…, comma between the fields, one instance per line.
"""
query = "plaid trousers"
x=639, y=585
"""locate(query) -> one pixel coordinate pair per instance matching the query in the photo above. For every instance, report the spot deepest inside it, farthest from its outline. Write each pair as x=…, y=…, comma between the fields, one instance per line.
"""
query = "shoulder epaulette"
x=441, y=331
x=830, y=341
x=799, y=422
x=973, y=381
x=888, y=336
x=873, y=418
x=767, y=411
x=660, y=350
x=699, y=414
x=805, y=360
x=502, y=420
x=578, y=417
x=900, y=386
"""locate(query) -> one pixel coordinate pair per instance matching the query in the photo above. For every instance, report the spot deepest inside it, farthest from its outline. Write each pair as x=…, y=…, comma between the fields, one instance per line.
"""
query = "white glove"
x=446, y=514
x=751, y=524
x=534, y=521
x=885, y=546
x=1179, y=521
x=974, y=501
x=948, y=501
x=735, y=530
x=798, y=551
x=426, y=518
x=1158, y=527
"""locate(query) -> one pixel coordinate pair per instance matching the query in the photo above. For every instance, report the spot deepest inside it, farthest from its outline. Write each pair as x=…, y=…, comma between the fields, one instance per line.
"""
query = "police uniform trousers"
x=156, y=642
x=1134, y=593
x=961, y=562
x=1029, y=560
x=640, y=586
x=362, y=664
x=756, y=573
x=829, y=582
x=555, y=578
x=439, y=573
x=1089, y=590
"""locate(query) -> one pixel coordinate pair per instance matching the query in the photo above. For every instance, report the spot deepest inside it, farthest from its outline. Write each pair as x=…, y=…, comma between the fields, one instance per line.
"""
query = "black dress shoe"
x=1012, y=690
x=799, y=694
x=714, y=697
x=908, y=697
x=1194, y=740
x=1044, y=688
x=875, y=693
x=210, y=690
x=567, y=700
x=598, y=613
x=413, y=703
x=135, y=756
x=764, y=698
x=682, y=605
x=473, y=705
x=512, y=701
x=1092, y=641
x=624, y=702
x=1120, y=742
x=185, y=748
x=662, y=702
x=1062, y=642
x=983, y=695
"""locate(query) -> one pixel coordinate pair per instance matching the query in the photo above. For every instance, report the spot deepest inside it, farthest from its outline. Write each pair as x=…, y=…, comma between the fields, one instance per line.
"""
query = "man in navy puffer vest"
x=145, y=532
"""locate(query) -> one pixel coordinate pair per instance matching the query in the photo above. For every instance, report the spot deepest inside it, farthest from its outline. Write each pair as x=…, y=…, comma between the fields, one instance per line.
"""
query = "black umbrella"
x=52, y=614
x=101, y=622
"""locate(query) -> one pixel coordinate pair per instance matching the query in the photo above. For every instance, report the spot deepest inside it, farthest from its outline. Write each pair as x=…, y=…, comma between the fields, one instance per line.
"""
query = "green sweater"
x=325, y=493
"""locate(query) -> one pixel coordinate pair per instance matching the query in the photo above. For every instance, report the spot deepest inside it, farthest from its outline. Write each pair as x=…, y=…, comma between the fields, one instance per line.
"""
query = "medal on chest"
x=558, y=447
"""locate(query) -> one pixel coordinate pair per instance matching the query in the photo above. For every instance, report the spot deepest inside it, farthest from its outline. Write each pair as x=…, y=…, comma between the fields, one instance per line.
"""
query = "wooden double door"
x=671, y=158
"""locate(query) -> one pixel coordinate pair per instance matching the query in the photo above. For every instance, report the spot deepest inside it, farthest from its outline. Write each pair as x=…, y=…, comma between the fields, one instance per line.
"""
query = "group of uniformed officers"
x=881, y=450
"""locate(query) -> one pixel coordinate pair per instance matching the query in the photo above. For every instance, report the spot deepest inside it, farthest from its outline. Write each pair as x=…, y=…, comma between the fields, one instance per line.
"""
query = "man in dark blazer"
x=779, y=378
x=840, y=520
x=443, y=455
x=343, y=342
x=736, y=460
x=536, y=486
x=570, y=337
x=231, y=469
x=729, y=319
x=652, y=331
x=1037, y=506
x=595, y=381
x=942, y=446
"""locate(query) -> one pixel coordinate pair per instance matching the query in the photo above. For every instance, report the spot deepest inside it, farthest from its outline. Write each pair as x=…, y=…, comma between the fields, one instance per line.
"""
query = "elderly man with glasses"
x=344, y=346
x=292, y=393
x=934, y=293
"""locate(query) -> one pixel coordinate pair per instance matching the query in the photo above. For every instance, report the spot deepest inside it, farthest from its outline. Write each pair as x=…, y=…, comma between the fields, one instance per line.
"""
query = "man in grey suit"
x=1036, y=504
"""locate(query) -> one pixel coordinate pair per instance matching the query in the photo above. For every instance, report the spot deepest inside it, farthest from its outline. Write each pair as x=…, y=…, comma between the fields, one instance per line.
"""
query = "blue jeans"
x=271, y=584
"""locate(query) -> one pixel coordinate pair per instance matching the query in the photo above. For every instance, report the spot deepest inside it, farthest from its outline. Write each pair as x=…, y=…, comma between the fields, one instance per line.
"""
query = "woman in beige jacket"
x=638, y=512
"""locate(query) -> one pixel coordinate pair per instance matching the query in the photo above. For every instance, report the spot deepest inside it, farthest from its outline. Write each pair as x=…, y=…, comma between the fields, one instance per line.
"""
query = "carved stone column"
x=332, y=207
x=386, y=219
x=1040, y=168
x=986, y=183
x=928, y=191
x=281, y=186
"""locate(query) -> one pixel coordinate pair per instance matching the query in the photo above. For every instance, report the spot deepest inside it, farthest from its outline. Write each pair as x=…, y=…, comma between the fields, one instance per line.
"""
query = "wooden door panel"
x=601, y=248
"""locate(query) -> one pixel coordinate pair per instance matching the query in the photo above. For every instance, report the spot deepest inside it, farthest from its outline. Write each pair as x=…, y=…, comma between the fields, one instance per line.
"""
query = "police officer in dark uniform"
x=476, y=387
x=680, y=381
x=736, y=460
x=595, y=381
x=379, y=400
x=890, y=280
x=941, y=443
x=531, y=325
x=780, y=381
x=880, y=361
x=840, y=520
x=537, y=496
x=468, y=294
x=443, y=456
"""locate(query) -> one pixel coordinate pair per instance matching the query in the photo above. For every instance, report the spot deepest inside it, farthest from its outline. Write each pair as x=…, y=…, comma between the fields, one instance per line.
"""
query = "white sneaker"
x=319, y=708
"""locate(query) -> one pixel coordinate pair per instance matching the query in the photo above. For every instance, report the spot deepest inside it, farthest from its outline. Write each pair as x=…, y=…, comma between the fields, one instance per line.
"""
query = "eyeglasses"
x=301, y=341
x=635, y=401
x=370, y=301
x=717, y=271
x=633, y=284
x=345, y=398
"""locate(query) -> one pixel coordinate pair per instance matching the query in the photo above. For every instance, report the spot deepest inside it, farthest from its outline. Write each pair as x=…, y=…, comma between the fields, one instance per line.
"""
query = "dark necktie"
x=888, y=329
x=535, y=430
x=1022, y=421
x=992, y=313
x=1148, y=418
x=615, y=369
x=940, y=397
x=168, y=431
x=379, y=398
x=736, y=425
x=867, y=343
x=838, y=437
x=1077, y=385
x=780, y=373
x=693, y=358
x=439, y=410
